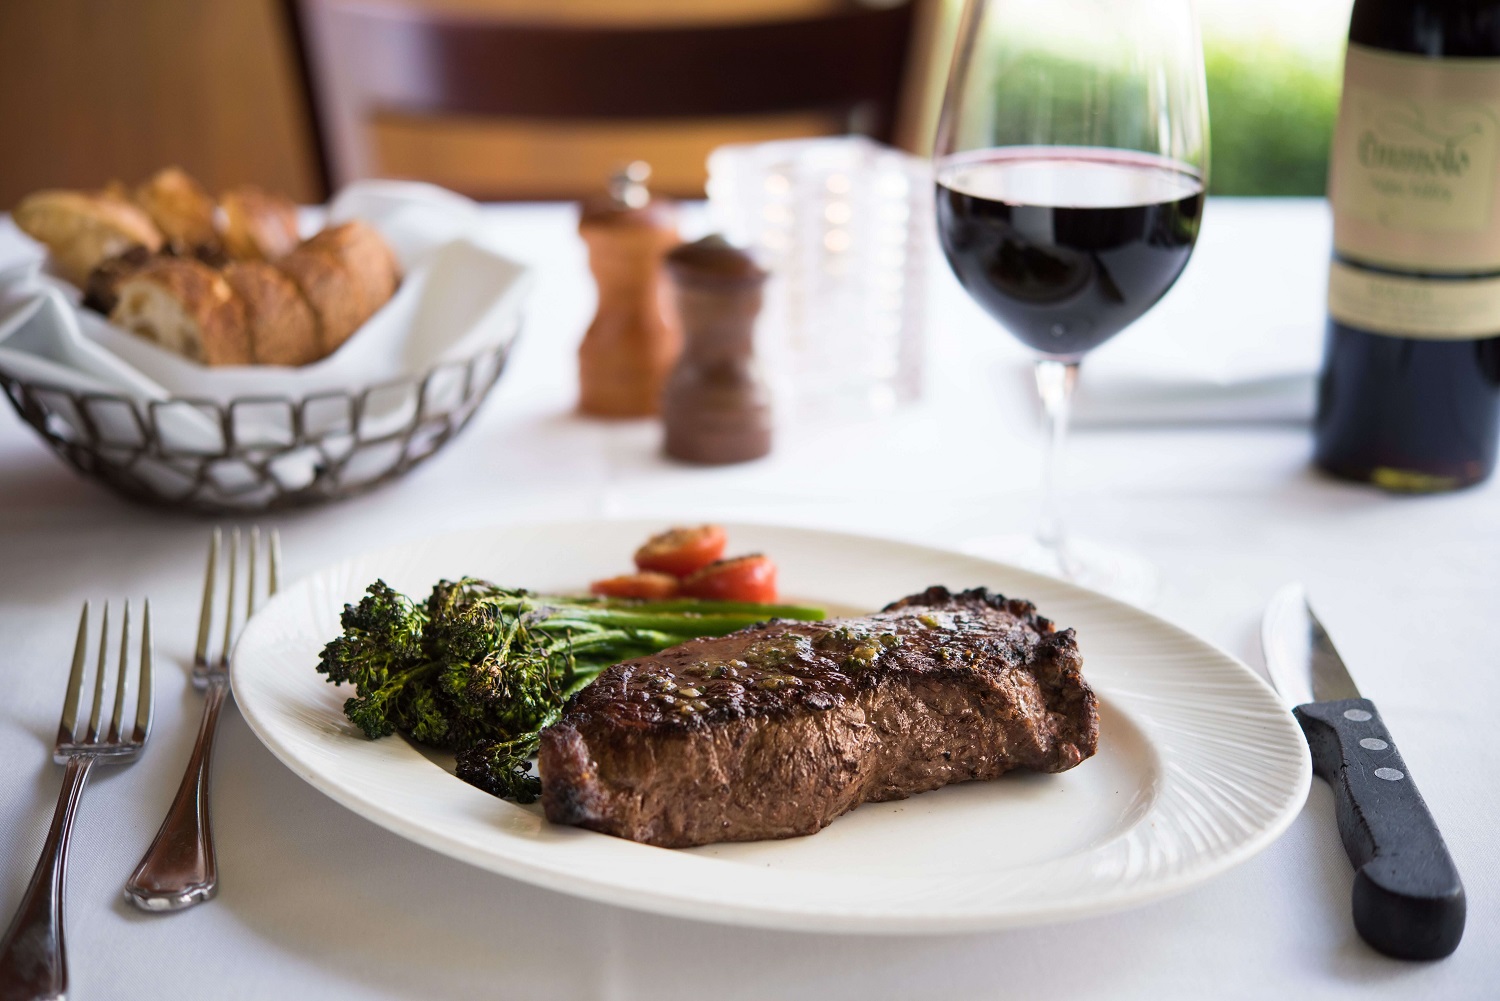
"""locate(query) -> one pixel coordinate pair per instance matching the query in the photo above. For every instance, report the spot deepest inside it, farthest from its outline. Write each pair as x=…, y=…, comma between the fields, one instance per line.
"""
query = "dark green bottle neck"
x=1436, y=28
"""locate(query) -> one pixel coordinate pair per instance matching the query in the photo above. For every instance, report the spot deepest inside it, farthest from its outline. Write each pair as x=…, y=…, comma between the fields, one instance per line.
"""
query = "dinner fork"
x=33, y=962
x=180, y=868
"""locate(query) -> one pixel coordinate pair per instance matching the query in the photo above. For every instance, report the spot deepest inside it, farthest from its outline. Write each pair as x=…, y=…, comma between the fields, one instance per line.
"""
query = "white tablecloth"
x=317, y=902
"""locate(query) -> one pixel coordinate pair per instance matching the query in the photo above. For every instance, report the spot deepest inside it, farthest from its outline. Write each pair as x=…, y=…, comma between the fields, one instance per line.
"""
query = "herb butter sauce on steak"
x=775, y=730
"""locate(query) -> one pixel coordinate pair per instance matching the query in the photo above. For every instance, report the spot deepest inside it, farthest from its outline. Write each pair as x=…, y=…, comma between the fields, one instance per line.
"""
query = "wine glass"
x=1071, y=162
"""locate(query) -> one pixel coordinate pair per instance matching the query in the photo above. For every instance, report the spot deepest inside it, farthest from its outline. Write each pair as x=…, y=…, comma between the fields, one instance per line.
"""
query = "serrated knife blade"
x=1300, y=657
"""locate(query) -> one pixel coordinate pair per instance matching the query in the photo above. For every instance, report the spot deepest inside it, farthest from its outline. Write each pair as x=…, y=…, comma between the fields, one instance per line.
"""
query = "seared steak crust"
x=775, y=730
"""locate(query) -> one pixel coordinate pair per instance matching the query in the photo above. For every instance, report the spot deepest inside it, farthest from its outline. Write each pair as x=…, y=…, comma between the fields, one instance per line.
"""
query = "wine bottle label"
x=1413, y=179
x=1431, y=309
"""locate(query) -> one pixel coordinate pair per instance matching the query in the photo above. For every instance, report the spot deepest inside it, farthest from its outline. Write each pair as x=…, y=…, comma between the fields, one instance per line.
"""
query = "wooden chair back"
x=366, y=63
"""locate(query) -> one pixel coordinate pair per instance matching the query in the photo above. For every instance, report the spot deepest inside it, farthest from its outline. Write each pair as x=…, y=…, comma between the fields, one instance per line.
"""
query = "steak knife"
x=1408, y=900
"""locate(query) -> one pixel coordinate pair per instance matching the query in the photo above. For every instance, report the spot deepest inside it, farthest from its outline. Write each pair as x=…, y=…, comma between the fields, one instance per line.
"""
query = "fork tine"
x=234, y=551
x=254, y=559
x=206, y=617
x=99, y=676
x=144, y=700
x=69, y=721
x=275, y=546
x=119, y=709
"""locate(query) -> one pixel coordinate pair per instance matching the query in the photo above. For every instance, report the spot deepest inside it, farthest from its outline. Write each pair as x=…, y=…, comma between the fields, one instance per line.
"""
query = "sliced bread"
x=347, y=273
x=283, y=330
x=84, y=229
x=187, y=307
x=257, y=225
x=181, y=209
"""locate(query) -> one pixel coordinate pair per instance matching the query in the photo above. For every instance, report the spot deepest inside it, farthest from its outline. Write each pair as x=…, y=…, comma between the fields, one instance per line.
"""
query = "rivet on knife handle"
x=1408, y=898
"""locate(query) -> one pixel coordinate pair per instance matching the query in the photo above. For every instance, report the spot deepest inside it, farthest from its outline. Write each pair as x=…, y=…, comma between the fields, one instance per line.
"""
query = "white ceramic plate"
x=1199, y=766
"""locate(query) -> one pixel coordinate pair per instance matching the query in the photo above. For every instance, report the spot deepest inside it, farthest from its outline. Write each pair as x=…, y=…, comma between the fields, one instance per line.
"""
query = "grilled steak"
x=775, y=730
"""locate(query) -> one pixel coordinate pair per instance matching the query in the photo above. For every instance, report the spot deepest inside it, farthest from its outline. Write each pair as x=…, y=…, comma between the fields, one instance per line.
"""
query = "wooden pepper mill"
x=633, y=342
x=717, y=407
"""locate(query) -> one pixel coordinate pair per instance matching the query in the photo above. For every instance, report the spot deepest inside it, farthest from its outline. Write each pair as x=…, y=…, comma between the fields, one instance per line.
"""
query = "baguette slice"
x=347, y=273
x=283, y=330
x=258, y=226
x=102, y=290
x=187, y=307
x=181, y=209
x=84, y=229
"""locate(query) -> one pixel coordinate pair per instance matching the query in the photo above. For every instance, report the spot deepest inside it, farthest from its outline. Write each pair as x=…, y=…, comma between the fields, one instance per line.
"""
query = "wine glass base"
x=1116, y=572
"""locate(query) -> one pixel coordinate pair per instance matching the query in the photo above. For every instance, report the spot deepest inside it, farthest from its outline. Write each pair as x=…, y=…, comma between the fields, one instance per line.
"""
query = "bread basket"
x=257, y=453
x=158, y=426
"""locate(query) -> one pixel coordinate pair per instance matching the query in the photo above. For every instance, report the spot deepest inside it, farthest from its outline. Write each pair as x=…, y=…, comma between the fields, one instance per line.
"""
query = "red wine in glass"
x=1070, y=161
x=1066, y=246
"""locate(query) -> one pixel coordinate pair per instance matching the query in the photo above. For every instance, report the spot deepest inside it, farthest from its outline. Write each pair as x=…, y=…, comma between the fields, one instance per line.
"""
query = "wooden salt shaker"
x=633, y=342
x=717, y=407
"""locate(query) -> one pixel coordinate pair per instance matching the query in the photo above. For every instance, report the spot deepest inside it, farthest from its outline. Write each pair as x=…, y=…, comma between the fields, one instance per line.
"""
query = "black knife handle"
x=1408, y=899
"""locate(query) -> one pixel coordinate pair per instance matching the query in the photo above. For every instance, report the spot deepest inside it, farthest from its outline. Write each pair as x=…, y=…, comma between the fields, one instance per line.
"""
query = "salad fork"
x=33, y=961
x=180, y=868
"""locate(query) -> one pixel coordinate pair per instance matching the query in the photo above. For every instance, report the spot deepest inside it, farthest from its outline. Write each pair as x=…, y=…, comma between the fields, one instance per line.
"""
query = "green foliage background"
x=1271, y=115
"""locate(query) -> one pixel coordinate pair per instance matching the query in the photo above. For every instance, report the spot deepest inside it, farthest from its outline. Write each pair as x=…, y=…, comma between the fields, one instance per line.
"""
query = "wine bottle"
x=1409, y=396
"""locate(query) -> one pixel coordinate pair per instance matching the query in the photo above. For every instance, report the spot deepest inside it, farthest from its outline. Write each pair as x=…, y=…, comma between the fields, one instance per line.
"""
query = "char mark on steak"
x=775, y=730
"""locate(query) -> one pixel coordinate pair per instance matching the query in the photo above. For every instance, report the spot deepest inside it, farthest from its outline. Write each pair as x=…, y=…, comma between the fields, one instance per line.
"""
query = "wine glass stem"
x=1054, y=381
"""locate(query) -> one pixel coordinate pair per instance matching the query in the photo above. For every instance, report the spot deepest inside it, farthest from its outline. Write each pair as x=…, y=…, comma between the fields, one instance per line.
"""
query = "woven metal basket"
x=259, y=453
